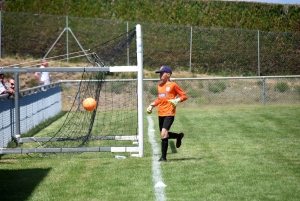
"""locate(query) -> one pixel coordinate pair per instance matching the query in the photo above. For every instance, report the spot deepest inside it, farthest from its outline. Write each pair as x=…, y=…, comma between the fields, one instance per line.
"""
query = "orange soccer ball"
x=89, y=104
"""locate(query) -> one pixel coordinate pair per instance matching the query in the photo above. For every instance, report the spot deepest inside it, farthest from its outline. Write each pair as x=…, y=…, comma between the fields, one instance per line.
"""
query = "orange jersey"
x=167, y=91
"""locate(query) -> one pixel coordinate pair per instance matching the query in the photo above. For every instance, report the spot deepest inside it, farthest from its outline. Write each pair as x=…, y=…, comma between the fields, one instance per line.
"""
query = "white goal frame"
x=136, y=151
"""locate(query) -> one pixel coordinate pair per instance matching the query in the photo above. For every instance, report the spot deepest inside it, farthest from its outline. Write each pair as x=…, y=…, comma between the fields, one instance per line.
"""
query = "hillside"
x=176, y=33
x=231, y=14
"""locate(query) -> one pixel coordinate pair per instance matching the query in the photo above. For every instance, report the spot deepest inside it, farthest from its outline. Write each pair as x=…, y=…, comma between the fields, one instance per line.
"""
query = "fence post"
x=0, y=34
x=67, y=38
x=264, y=91
x=127, y=45
x=78, y=96
x=17, y=104
x=258, y=54
x=191, y=44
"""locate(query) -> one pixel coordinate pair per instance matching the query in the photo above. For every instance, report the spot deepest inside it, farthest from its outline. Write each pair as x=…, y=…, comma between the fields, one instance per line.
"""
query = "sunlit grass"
x=242, y=153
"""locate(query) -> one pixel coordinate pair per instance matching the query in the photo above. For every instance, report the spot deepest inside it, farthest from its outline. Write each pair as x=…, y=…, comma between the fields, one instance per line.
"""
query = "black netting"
x=116, y=111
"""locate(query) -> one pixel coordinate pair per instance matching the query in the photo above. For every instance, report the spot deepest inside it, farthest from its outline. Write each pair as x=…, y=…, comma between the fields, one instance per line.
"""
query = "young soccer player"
x=169, y=95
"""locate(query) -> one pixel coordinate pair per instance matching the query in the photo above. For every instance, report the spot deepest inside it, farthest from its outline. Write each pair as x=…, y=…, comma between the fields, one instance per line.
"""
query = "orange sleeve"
x=181, y=93
x=156, y=102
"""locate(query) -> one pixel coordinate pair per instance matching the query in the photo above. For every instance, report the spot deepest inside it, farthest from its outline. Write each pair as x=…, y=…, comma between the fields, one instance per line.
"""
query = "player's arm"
x=37, y=75
x=152, y=105
x=8, y=91
x=182, y=97
x=181, y=93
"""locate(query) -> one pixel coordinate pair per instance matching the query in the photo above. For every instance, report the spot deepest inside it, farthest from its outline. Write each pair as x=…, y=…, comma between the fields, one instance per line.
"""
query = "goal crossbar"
x=72, y=69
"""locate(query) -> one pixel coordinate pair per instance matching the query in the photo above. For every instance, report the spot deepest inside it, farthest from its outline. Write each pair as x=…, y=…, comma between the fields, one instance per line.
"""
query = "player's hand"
x=149, y=109
x=174, y=102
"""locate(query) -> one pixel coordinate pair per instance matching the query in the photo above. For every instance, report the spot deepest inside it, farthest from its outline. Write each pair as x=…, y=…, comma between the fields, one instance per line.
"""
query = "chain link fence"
x=212, y=92
x=221, y=51
x=37, y=107
x=233, y=91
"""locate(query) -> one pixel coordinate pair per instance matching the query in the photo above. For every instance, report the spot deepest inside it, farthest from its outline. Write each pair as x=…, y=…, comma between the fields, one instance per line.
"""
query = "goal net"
x=116, y=124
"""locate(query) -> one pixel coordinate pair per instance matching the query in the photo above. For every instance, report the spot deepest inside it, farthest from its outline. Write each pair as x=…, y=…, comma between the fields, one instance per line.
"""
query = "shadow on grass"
x=19, y=184
x=185, y=159
x=172, y=146
x=174, y=151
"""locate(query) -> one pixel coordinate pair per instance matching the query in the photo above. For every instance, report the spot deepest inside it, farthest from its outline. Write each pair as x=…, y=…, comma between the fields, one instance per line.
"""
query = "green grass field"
x=237, y=153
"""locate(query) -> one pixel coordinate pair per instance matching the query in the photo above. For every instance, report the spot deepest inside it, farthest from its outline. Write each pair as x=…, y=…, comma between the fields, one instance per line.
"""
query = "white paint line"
x=157, y=179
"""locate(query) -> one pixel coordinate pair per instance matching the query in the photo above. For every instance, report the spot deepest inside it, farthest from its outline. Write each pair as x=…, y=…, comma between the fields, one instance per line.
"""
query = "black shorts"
x=165, y=122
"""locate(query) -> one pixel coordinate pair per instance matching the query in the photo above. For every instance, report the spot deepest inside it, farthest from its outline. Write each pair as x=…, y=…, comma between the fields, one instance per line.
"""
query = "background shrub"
x=193, y=93
x=153, y=90
x=281, y=87
x=298, y=89
x=217, y=87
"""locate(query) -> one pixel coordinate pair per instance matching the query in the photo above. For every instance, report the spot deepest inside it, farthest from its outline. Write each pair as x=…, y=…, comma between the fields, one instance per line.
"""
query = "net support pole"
x=139, y=44
x=0, y=34
x=17, y=133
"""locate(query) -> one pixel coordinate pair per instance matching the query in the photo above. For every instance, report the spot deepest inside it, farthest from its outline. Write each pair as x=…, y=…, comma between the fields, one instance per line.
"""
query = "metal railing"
x=36, y=105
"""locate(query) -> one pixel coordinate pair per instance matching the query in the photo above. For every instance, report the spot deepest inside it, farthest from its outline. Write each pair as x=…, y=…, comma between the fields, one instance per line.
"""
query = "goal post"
x=89, y=119
x=139, y=52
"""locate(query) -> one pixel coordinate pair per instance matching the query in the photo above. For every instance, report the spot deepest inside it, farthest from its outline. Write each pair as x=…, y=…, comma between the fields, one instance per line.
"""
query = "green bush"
x=281, y=87
x=217, y=87
x=193, y=93
x=115, y=87
x=259, y=83
x=298, y=89
x=153, y=90
x=31, y=83
x=194, y=13
x=200, y=85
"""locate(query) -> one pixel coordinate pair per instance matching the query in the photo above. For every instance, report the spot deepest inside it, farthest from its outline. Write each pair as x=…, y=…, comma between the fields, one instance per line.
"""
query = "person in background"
x=43, y=77
x=169, y=95
x=4, y=89
x=11, y=85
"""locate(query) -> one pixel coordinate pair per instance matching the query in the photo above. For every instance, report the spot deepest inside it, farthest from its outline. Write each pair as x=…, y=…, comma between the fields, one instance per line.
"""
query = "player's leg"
x=165, y=124
x=177, y=136
x=164, y=141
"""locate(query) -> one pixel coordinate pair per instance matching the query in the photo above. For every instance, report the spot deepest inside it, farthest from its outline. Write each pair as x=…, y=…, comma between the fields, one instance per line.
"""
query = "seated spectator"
x=4, y=89
x=11, y=84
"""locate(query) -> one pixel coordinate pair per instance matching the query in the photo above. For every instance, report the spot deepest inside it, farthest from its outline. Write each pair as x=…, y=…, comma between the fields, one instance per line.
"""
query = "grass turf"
x=244, y=153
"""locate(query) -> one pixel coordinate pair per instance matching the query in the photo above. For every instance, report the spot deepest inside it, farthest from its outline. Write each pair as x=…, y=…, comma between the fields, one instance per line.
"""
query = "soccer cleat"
x=162, y=159
x=178, y=141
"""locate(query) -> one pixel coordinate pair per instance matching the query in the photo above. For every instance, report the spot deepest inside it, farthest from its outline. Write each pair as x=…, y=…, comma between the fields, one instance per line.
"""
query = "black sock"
x=173, y=135
x=164, y=147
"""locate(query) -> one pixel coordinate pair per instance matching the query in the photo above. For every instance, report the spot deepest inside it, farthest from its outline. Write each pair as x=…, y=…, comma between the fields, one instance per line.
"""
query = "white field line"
x=157, y=179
